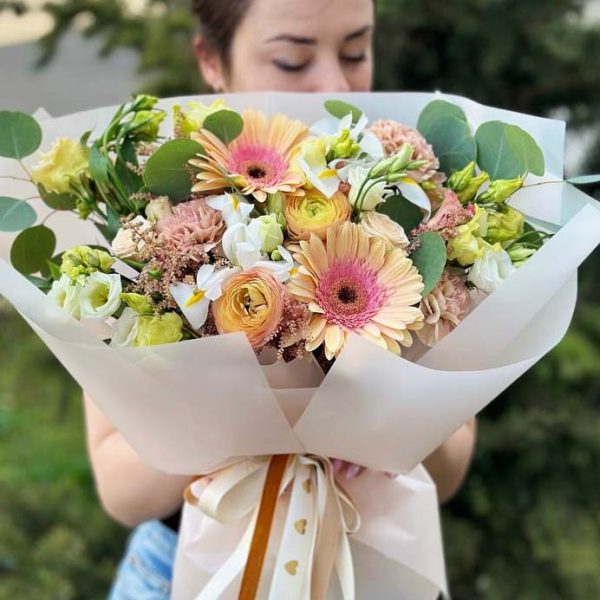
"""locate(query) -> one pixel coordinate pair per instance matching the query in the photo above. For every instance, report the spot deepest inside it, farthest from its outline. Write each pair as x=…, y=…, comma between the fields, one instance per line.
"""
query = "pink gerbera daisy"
x=258, y=162
x=357, y=283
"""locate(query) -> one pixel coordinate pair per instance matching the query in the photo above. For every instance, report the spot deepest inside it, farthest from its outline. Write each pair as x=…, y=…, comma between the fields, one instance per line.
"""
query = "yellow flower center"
x=196, y=297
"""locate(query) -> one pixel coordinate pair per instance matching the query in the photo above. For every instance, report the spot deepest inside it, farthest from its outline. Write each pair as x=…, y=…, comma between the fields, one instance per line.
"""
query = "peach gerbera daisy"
x=355, y=282
x=258, y=162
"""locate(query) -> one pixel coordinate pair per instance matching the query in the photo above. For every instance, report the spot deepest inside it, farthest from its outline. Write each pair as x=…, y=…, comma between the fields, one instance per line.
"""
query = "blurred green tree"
x=526, y=525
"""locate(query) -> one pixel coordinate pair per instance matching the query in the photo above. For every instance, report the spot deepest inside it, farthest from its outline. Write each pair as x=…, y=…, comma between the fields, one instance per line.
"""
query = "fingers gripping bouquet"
x=212, y=235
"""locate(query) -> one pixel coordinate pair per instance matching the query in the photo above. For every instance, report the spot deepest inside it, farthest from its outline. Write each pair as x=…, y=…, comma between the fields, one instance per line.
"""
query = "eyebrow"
x=307, y=41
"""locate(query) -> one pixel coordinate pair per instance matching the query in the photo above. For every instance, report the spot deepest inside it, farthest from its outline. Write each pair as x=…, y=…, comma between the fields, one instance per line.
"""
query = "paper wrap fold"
x=194, y=406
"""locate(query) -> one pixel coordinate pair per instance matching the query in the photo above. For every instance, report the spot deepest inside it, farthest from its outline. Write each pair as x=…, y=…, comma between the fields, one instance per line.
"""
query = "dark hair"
x=219, y=20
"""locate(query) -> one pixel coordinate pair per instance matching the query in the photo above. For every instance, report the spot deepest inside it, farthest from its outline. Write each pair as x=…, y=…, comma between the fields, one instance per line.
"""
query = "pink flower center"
x=262, y=166
x=350, y=294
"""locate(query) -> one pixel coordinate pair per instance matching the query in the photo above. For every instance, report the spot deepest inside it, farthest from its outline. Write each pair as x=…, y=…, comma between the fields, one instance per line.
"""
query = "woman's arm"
x=449, y=464
x=130, y=491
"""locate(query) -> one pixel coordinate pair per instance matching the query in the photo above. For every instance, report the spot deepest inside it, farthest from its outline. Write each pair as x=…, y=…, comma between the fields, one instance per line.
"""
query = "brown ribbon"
x=262, y=531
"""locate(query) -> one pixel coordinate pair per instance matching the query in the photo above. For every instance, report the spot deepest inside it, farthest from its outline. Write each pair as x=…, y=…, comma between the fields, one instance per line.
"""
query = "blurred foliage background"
x=526, y=525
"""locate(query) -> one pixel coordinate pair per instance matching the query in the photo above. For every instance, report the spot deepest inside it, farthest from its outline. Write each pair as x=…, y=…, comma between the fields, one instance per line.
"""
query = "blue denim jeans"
x=146, y=570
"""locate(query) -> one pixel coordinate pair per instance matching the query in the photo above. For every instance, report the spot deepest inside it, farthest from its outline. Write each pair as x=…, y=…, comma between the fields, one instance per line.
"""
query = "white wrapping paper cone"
x=191, y=407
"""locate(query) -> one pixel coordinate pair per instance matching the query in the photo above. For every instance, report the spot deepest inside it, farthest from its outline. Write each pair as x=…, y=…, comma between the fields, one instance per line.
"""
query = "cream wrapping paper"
x=195, y=406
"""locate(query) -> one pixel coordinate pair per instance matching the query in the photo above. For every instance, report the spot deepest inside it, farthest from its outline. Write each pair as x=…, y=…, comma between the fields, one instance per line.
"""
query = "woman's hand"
x=131, y=492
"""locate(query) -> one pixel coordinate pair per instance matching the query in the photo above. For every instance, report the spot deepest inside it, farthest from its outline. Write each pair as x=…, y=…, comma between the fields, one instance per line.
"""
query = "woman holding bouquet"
x=245, y=45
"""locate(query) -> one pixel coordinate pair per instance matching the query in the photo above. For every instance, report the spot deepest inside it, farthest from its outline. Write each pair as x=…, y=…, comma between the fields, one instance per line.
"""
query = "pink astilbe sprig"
x=450, y=215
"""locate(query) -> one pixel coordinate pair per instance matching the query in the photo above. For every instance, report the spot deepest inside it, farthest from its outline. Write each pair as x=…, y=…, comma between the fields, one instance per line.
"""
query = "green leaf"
x=15, y=214
x=52, y=267
x=20, y=134
x=40, y=282
x=32, y=249
x=225, y=124
x=57, y=201
x=166, y=173
x=436, y=110
x=507, y=151
x=403, y=212
x=98, y=164
x=430, y=259
x=452, y=143
x=584, y=179
x=127, y=154
x=340, y=109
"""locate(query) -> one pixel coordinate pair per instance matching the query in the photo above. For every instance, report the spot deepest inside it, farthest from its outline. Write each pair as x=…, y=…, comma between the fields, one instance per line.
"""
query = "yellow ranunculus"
x=156, y=330
x=468, y=244
x=505, y=225
x=80, y=261
x=63, y=167
x=252, y=302
x=314, y=213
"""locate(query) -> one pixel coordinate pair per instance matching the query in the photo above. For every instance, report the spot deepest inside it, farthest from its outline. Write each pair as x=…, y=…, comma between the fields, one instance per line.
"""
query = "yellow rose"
x=61, y=168
x=468, y=244
x=314, y=213
x=252, y=301
x=505, y=225
x=156, y=330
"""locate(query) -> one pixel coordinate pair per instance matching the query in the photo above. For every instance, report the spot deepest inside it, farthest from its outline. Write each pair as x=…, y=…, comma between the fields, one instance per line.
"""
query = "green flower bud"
x=144, y=102
x=468, y=244
x=470, y=191
x=505, y=225
x=382, y=167
x=501, y=190
x=276, y=255
x=459, y=180
x=343, y=147
x=519, y=253
x=138, y=302
x=83, y=260
x=145, y=125
x=269, y=232
x=402, y=158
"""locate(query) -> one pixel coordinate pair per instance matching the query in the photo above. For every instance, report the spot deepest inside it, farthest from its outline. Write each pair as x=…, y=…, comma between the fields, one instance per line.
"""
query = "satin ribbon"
x=314, y=542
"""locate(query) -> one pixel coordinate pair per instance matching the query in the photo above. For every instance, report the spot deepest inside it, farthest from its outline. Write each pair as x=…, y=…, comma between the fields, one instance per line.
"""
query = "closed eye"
x=289, y=67
x=355, y=59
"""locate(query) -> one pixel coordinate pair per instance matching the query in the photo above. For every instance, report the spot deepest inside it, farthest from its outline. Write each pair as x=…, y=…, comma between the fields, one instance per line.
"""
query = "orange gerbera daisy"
x=357, y=283
x=258, y=162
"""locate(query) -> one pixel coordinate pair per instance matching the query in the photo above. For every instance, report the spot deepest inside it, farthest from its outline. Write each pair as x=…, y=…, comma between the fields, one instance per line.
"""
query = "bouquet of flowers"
x=232, y=284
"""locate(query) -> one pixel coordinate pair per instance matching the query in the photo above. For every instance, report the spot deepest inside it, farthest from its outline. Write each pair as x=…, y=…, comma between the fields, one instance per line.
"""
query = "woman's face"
x=298, y=45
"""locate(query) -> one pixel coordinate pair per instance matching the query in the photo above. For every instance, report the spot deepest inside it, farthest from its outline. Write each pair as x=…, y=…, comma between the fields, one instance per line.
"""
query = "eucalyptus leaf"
x=452, y=143
x=20, y=134
x=507, y=151
x=430, y=259
x=32, y=248
x=167, y=174
x=401, y=211
x=584, y=179
x=340, y=109
x=40, y=282
x=225, y=124
x=15, y=214
x=436, y=110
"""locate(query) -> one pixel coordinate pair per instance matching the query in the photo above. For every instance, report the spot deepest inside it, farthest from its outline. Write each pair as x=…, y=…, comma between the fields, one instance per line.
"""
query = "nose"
x=329, y=76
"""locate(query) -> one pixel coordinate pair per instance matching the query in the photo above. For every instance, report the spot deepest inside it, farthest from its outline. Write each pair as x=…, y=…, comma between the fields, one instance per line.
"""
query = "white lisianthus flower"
x=66, y=294
x=100, y=296
x=194, y=300
x=124, y=245
x=234, y=208
x=491, y=269
x=158, y=209
x=124, y=330
x=242, y=246
x=357, y=176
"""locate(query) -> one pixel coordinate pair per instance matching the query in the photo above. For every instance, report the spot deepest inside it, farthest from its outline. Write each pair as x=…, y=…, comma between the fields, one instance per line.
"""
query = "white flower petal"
x=414, y=193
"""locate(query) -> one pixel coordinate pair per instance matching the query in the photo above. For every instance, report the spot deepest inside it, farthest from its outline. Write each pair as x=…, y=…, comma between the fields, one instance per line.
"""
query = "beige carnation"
x=444, y=309
x=192, y=222
x=380, y=225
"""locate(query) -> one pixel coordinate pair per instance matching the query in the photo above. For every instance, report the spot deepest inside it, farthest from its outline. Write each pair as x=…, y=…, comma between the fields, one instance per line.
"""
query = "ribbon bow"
x=314, y=542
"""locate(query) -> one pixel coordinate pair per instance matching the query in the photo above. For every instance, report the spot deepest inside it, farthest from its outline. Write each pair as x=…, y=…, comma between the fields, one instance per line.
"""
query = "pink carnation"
x=393, y=135
x=444, y=309
x=191, y=223
x=450, y=214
